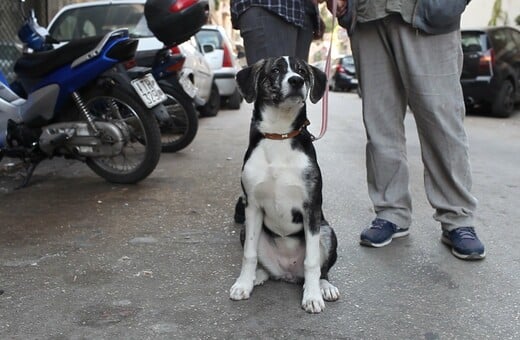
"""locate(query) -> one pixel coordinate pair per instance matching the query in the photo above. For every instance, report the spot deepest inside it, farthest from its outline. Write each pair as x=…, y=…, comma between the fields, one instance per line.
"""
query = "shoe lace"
x=377, y=224
x=466, y=233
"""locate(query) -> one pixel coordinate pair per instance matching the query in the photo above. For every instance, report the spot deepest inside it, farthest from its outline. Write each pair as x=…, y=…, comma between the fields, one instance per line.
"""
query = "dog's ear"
x=318, y=83
x=247, y=80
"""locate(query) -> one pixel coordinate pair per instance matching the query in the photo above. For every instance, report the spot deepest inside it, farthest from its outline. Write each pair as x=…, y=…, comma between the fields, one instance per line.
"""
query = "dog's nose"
x=296, y=82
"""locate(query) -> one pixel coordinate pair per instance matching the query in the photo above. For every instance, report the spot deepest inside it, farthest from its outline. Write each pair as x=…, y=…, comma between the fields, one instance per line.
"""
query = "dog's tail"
x=240, y=210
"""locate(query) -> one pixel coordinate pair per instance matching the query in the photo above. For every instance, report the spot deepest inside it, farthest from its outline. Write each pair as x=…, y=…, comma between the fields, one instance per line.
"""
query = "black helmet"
x=175, y=21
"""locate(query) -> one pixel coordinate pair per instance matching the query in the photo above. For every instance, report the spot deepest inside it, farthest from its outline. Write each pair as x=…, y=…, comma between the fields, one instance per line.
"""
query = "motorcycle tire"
x=181, y=129
x=142, y=150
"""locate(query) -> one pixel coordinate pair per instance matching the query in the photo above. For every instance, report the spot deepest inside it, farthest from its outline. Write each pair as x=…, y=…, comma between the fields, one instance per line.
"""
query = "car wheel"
x=233, y=101
x=333, y=86
x=211, y=108
x=504, y=103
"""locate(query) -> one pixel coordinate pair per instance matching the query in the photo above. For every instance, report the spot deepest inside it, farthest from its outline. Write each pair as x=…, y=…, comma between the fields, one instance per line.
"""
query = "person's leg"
x=384, y=107
x=266, y=35
x=432, y=81
x=304, y=39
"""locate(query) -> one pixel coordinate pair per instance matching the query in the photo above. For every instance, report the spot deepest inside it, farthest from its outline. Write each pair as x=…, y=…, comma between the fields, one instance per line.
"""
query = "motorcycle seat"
x=39, y=64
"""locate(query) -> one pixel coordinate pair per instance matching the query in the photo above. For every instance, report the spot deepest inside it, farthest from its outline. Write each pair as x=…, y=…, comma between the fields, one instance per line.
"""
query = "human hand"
x=341, y=6
x=318, y=33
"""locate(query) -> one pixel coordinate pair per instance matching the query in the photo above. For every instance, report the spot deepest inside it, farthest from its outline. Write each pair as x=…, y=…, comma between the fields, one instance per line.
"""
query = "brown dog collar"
x=292, y=134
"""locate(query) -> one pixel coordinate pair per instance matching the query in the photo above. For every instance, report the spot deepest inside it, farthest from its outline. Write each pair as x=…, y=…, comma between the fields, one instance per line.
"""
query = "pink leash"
x=325, y=100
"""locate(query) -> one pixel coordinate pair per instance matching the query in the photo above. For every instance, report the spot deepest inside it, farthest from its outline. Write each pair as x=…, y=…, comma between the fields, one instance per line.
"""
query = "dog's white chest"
x=274, y=177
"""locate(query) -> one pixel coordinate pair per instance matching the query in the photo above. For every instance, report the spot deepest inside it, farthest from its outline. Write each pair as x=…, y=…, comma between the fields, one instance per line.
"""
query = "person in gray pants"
x=273, y=28
x=408, y=54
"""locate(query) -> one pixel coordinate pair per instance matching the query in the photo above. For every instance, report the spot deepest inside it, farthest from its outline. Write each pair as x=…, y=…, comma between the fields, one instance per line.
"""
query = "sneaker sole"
x=387, y=242
x=469, y=257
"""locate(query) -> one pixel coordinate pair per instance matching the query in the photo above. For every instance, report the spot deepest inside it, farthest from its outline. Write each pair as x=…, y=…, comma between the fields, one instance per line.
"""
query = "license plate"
x=188, y=86
x=354, y=81
x=149, y=91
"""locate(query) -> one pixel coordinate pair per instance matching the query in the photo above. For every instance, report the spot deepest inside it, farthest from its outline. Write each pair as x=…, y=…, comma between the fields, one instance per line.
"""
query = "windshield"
x=99, y=20
x=348, y=63
x=473, y=41
x=209, y=37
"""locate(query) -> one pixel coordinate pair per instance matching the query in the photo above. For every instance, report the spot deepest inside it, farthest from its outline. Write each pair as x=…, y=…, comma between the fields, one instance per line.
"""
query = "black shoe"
x=380, y=233
x=464, y=243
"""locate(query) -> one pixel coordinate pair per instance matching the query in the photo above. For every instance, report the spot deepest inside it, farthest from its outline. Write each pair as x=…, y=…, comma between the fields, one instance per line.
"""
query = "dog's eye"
x=275, y=70
x=301, y=70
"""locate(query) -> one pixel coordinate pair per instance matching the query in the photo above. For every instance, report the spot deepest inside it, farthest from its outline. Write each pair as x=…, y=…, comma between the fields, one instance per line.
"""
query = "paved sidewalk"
x=84, y=259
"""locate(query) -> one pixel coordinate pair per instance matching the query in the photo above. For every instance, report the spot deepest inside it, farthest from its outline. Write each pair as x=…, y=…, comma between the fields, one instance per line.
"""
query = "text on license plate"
x=149, y=91
x=188, y=86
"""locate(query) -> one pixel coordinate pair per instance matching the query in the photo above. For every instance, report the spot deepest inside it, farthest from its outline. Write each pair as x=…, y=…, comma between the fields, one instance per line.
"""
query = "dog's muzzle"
x=296, y=89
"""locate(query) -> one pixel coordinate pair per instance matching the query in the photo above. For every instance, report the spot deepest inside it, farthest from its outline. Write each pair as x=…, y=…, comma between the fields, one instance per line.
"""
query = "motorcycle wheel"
x=142, y=148
x=181, y=129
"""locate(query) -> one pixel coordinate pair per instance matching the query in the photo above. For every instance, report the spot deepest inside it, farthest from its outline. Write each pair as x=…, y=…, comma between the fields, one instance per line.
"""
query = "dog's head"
x=281, y=80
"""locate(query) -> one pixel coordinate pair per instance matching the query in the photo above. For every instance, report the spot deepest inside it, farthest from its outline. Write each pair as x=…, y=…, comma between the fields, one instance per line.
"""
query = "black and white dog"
x=286, y=236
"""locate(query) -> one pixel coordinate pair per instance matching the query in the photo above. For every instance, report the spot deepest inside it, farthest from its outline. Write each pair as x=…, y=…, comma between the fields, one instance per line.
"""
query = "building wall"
x=479, y=12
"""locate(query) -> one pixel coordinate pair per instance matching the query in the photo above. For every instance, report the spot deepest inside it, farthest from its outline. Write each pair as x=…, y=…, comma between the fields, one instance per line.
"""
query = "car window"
x=472, y=42
x=99, y=20
x=209, y=37
x=348, y=63
x=515, y=35
x=502, y=42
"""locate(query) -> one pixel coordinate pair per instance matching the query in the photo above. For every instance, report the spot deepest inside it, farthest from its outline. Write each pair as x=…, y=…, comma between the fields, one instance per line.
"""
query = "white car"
x=96, y=18
x=218, y=50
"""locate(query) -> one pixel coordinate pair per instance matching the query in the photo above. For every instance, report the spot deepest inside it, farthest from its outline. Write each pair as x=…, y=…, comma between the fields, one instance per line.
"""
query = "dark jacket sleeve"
x=348, y=20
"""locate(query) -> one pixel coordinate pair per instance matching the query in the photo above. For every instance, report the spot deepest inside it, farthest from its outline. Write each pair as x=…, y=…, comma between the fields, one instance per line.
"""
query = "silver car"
x=218, y=50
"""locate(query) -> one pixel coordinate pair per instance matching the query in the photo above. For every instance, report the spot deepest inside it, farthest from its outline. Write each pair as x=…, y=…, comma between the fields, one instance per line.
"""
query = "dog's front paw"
x=240, y=290
x=328, y=291
x=312, y=303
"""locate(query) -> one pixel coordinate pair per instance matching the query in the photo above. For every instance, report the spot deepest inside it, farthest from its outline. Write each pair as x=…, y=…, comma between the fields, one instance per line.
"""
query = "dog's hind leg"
x=328, y=248
x=261, y=276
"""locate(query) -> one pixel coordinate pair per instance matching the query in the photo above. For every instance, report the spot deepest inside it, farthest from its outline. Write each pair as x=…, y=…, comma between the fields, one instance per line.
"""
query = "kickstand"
x=29, y=170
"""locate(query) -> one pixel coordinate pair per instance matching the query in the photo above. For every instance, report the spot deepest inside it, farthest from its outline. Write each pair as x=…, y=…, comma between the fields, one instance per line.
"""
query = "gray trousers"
x=265, y=35
x=398, y=67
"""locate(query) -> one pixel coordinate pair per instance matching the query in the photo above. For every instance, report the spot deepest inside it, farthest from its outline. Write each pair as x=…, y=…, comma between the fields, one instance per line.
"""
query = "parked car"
x=96, y=18
x=343, y=74
x=214, y=43
x=320, y=64
x=491, y=70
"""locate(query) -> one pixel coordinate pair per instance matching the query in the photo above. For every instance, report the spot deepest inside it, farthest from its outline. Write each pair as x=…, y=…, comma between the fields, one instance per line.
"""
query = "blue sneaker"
x=464, y=243
x=380, y=233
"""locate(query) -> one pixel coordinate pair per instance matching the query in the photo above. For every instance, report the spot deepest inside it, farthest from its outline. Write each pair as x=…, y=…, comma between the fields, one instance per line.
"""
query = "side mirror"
x=207, y=48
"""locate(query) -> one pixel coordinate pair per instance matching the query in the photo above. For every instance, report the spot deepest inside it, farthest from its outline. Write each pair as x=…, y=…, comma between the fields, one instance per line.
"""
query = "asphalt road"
x=84, y=259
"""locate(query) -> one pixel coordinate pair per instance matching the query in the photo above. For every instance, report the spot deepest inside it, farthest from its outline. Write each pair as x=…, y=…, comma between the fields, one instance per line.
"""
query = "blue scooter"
x=72, y=102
